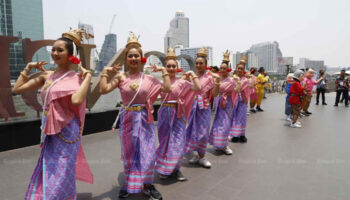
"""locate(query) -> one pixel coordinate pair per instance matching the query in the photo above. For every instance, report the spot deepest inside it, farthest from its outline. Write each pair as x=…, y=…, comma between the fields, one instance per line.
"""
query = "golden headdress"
x=202, y=52
x=77, y=35
x=170, y=54
x=243, y=60
x=133, y=40
x=226, y=56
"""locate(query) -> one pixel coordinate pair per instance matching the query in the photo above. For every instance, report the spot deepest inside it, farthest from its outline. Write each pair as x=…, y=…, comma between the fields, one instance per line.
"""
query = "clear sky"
x=315, y=29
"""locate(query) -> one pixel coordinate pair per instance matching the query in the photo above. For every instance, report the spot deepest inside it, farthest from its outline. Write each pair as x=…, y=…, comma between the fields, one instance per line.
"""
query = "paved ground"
x=277, y=162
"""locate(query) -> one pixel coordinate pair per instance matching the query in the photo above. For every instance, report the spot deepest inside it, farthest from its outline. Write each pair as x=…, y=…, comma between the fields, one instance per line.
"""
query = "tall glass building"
x=22, y=19
x=178, y=32
x=109, y=48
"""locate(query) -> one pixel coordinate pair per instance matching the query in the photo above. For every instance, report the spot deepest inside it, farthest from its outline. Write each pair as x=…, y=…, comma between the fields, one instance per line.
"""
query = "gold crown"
x=133, y=40
x=243, y=59
x=202, y=52
x=77, y=35
x=226, y=56
x=170, y=54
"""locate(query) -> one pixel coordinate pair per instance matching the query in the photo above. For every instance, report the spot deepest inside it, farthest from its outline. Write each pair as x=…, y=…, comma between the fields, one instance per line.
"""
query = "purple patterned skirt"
x=138, y=145
x=220, y=130
x=239, y=118
x=54, y=174
x=171, y=135
x=197, y=132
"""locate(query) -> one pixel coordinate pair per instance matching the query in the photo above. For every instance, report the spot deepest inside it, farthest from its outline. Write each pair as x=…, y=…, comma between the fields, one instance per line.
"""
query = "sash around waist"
x=135, y=107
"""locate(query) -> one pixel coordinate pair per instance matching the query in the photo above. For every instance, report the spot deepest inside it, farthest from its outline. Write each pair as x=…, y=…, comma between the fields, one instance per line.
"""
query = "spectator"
x=308, y=85
x=321, y=88
x=296, y=96
x=342, y=87
x=288, y=106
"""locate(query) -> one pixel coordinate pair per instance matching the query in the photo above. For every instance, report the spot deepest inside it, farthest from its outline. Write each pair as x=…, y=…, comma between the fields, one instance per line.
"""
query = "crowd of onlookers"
x=300, y=86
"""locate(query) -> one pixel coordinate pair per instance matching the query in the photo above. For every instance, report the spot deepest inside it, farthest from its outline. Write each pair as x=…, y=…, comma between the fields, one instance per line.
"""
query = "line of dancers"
x=184, y=117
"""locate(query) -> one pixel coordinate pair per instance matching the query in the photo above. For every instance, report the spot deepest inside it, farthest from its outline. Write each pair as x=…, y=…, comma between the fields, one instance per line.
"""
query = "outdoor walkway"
x=278, y=162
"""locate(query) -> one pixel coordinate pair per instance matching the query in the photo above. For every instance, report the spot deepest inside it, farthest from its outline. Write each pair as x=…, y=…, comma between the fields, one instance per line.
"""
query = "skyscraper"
x=109, y=49
x=192, y=52
x=178, y=32
x=269, y=55
x=22, y=19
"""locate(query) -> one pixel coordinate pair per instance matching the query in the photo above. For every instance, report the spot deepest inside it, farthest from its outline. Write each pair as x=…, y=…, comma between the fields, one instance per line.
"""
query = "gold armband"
x=104, y=75
x=24, y=75
x=87, y=72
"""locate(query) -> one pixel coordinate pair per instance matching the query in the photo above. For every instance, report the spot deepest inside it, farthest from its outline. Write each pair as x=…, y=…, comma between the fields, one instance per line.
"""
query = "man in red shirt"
x=295, y=99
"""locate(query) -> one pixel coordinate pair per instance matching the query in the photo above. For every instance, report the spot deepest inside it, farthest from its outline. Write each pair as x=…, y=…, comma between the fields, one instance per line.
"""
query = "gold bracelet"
x=193, y=77
x=87, y=72
x=24, y=75
x=26, y=70
x=104, y=75
x=218, y=84
x=165, y=75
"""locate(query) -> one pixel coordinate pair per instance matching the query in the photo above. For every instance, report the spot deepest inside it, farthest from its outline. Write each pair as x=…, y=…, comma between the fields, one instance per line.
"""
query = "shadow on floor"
x=113, y=193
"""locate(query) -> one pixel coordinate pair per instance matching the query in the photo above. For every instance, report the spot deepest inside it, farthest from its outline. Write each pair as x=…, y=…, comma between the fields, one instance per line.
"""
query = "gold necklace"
x=134, y=85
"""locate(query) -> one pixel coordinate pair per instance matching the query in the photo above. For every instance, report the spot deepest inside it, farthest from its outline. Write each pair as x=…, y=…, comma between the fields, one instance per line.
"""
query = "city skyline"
x=313, y=29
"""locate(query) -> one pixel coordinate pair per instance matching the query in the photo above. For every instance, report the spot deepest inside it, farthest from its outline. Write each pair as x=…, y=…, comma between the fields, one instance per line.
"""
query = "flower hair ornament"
x=179, y=70
x=143, y=60
x=74, y=59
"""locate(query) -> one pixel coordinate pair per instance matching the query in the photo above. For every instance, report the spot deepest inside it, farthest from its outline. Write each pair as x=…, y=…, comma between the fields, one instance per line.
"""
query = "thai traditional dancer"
x=223, y=107
x=197, y=132
x=262, y=80
x=253, y=91
x=63, y=93
x=240, y=100
x=137, y=130
x=172, y=117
